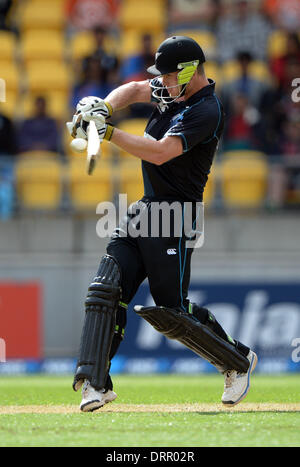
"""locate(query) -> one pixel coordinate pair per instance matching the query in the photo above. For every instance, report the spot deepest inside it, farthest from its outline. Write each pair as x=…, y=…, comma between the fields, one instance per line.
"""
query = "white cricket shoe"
x=236, y=384
x=93, y=399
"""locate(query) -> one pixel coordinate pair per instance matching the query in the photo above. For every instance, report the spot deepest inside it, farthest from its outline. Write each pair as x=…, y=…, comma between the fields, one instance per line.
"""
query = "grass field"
x=153, y=411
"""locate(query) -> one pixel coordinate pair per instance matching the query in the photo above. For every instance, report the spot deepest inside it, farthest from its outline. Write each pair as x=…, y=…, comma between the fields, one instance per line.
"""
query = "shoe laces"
x=229, y=378
x=85, y=386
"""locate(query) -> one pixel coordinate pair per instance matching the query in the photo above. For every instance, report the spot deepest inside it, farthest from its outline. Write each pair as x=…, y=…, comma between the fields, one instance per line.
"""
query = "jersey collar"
x=204, y=92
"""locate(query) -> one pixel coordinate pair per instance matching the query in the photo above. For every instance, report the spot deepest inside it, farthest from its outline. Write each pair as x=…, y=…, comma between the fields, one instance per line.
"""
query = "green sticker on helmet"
x=187, y=71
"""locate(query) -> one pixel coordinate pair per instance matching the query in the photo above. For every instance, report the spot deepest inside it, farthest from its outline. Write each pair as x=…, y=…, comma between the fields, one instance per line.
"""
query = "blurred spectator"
x=245, y=84
x=109, y=61
x=5, y=6
x=243, y=129
x=39, y=132
x=188, y=14
x=95, y=81
x=242, y=29
x=279, y=65
x=284, y=176
x=134, y=67
x=284, y=14
x=87, y=14
x=290, y=138
x=7, y=153
x=284, y=105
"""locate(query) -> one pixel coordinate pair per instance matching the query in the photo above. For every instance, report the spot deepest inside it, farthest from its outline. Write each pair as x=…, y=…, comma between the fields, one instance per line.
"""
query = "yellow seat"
x=245, y=154
x=134, y=126
x=37, y=154
x=212, y=71
x=244, y=181
x=82, y=45
x=42, y=45
x=143, y=15
x=87, y=191
x=8, y=46
x=260, y=71
x=39, y=183
x=45, y=14
x=277, y=43
x=131, y=180
x=43, y=76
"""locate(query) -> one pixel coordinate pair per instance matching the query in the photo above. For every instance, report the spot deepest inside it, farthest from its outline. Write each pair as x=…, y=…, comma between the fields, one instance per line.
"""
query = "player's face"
x=170, y=81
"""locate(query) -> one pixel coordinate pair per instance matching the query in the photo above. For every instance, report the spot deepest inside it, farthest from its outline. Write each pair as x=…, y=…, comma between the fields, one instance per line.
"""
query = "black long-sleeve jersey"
x=199, y=122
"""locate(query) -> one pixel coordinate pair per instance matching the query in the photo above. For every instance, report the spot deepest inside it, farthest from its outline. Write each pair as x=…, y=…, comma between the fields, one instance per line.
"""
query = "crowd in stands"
x=261, y=113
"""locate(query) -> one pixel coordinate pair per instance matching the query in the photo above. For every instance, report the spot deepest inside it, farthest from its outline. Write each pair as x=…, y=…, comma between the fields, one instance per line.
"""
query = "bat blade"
x=93, y=147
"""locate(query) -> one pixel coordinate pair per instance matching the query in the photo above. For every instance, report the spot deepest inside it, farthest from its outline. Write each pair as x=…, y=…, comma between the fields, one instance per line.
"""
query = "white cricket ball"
x=79, y=144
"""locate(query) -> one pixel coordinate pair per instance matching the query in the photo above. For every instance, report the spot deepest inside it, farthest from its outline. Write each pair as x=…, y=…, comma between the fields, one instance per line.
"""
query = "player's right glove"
x=89, y=108
x=80, y=122
x=92, y=106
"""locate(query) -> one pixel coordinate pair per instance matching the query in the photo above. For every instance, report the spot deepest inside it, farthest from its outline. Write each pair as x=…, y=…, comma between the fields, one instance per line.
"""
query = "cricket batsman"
x=176, y=154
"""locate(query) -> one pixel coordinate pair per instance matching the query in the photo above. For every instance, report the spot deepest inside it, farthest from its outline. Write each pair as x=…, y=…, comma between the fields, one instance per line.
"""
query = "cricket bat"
x=93, y=147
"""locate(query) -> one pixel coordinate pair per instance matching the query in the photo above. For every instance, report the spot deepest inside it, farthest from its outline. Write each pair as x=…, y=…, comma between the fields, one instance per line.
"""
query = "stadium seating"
x=143, y=15
x=131, y=180
x=86, y=191
x=45, y=14
x=43, y=76
x=8, y=47
x=212, y=71
x=231, y=71
x=39, y=183
x=244, y=179
x=42, y=45
x=83, y=44
x=244, y=154
x=37, y=154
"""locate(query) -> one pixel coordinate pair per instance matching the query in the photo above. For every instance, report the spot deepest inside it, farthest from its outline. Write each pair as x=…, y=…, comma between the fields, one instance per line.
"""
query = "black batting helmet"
x=174, y=51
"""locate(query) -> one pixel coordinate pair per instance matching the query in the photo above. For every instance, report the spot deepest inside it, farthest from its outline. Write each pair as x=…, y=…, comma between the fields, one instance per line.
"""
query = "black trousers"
x=165, y=261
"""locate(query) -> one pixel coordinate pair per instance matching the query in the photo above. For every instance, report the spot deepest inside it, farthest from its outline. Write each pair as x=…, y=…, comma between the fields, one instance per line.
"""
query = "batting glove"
x=78, y=127
x=94, y=106
x=105, y=130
